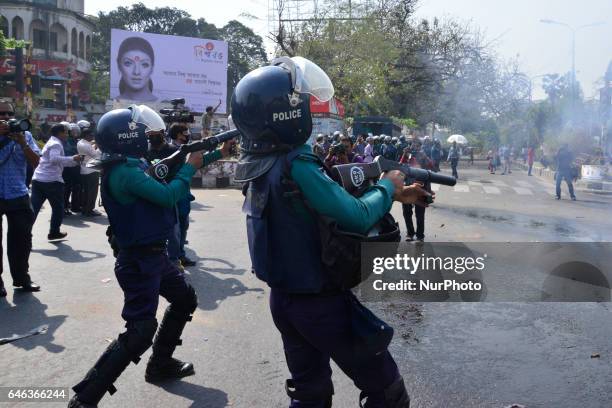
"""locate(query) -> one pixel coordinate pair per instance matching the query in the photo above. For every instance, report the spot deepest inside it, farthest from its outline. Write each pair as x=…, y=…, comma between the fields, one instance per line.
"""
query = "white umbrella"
x=457, y=138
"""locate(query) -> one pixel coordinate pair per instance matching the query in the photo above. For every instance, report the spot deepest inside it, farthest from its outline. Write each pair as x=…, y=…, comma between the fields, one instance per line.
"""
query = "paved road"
x=451, y=355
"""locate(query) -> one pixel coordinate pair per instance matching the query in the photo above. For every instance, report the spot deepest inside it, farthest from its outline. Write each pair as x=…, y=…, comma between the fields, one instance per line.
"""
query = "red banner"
x=51, y=70
x=331, y=107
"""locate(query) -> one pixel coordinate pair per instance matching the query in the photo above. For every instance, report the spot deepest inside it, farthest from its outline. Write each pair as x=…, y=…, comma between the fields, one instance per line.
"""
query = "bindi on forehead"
x=137, y=57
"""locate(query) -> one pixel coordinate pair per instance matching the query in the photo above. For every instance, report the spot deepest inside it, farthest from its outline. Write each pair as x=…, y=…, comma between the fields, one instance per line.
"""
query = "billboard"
x=327, y=117
x=153, y=68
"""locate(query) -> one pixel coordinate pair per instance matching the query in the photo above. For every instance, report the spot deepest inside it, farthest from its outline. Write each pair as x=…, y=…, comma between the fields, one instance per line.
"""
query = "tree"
x=246, y=52
x=383, y=61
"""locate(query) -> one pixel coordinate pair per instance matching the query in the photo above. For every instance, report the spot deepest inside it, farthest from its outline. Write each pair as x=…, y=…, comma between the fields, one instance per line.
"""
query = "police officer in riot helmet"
x=285, y=190
x=336, y=136
x=142, y=216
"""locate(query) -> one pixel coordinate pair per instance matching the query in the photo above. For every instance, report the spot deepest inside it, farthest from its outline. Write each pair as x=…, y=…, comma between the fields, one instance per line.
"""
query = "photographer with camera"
x=17, y=150
x=47, y=182
x=178, y=113
x=337, y=155
x=342, y=153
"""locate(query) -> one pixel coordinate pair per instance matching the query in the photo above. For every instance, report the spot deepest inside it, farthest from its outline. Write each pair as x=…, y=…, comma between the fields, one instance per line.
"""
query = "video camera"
x=337, y=149
x=19, y=125
x=178, y=112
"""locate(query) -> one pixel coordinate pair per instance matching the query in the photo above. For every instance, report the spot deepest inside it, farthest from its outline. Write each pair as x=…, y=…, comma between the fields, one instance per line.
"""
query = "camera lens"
x=24, y=125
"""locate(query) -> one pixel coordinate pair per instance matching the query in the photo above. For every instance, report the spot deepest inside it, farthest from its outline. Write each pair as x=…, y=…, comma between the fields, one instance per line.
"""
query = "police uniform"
x=142, y=216
x=312, y=313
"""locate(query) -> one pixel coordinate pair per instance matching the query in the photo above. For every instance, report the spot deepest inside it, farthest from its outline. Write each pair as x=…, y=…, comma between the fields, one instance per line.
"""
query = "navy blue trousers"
x=54, y=192
x=316, y=328
x=143, y=278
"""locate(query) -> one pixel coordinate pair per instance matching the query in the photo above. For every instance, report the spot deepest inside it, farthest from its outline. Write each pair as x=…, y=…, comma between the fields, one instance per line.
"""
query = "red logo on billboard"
x=210, y=46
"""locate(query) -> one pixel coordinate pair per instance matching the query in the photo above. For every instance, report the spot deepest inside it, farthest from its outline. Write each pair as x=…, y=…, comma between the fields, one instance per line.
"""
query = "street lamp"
x=574, y=31
x=529, y=80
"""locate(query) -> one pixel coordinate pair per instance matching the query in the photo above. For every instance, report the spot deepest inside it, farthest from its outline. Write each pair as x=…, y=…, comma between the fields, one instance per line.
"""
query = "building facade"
x=58, y=58
x=57, y=29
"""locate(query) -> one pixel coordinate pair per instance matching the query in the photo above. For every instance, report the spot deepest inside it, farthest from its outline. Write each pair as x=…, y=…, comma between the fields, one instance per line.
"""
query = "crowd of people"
x=565, y=168
x=502, y=157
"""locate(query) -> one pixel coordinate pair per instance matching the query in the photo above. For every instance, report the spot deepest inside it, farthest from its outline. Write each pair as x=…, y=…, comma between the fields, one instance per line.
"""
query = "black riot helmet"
x=124, y=131
x=271, y=109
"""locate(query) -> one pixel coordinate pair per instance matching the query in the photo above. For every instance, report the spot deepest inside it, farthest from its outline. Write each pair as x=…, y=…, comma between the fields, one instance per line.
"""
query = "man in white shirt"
x=47, y=182
x=90, y=178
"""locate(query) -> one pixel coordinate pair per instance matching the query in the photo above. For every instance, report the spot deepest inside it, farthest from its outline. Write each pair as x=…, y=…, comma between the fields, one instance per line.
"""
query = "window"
x=52, y=41
x=4, y=26
x=40, y=39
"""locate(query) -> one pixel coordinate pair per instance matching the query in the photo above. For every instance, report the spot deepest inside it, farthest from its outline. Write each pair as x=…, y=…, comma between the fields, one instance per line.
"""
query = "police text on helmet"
x=292, y=114
x=130, y=135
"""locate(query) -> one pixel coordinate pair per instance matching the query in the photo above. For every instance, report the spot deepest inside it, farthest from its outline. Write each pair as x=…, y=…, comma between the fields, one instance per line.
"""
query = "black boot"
x=161, y=365
x=75, y=403
x=101, y=377
x=161, y=369
x=128, y=348
x=321, y=394
x=395, y=396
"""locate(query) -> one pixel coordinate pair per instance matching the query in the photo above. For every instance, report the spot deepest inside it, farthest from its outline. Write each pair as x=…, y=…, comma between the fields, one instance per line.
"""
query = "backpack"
x=341, y=250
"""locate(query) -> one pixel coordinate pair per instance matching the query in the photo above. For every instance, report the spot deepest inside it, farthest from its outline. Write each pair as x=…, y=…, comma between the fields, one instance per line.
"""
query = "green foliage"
x=10, y=43
x=387, y=63
x=246, y=52
x=408, y=122
x=98, y=85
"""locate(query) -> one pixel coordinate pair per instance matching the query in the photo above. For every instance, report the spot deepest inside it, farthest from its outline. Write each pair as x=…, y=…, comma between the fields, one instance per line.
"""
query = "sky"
x=513, y=26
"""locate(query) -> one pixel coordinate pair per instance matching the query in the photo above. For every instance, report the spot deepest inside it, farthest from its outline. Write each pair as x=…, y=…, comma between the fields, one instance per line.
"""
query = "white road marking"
x=462, y=188
x=522, y=190
x=474, y=183
x=524, y=183
x=491, y=190
x=435, y=187
x=499, y=183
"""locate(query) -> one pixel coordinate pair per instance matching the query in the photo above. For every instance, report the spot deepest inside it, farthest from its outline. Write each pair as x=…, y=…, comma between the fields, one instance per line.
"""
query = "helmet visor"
x=146, y=116
x=307, y=77
x=314, y=80
x=75, y=130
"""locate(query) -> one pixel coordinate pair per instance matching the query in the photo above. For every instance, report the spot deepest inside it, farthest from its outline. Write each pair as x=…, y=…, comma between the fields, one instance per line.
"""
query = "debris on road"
x=39, y=330
x=595, y=355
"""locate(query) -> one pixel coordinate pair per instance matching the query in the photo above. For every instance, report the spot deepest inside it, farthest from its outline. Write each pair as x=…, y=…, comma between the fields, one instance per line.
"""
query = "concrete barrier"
x=220, y=174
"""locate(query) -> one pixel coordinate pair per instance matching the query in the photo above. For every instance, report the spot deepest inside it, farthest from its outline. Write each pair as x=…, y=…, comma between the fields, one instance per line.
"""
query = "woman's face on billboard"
x=136, y=68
